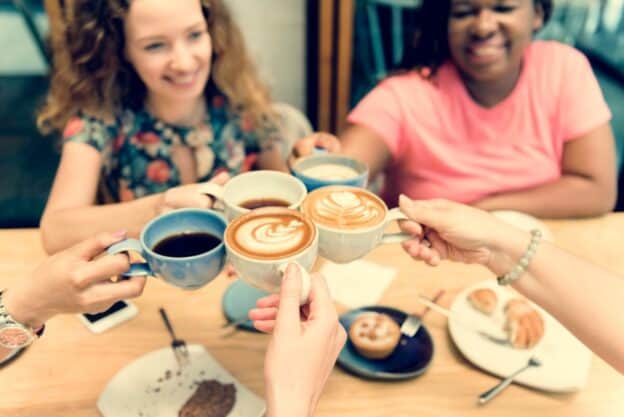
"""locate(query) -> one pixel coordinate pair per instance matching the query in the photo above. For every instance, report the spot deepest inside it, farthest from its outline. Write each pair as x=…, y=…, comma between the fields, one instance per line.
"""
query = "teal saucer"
x=238, y=299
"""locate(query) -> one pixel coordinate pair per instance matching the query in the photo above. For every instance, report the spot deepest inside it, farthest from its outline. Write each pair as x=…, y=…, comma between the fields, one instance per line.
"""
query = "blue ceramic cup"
x=323, y=169
x=189, y=272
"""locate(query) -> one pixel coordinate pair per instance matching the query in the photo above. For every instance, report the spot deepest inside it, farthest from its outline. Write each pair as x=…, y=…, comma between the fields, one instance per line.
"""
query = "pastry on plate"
x=524, y=324
x=484, y=300
x=374, y=335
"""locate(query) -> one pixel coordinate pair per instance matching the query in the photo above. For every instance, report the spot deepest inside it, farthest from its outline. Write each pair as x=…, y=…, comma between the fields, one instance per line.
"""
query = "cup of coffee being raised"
x=261, y=243
x=323, y=169
x=256, y=189
x=184, y=247
x=350, y=222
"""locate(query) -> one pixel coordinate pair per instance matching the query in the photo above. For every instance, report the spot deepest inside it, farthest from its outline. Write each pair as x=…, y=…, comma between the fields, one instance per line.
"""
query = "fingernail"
x=405, y=201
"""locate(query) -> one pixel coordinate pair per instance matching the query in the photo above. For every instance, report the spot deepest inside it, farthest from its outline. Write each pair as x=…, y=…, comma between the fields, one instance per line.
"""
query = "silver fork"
x=178, y=345
x=495, y=390
x=412, y=323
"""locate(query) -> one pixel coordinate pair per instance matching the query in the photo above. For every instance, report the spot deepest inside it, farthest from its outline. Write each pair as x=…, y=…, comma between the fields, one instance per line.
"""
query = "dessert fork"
x=412, y=323
x=495, y=390
x=178, y=345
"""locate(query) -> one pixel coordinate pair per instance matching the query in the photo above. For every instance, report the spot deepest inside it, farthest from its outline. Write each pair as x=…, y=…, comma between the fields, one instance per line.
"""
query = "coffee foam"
x=331, y=172
x=270, y=234
x=344, y=208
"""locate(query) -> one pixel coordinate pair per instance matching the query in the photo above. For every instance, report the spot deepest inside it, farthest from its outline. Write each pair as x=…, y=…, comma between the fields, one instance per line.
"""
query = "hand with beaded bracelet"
x=569, y=288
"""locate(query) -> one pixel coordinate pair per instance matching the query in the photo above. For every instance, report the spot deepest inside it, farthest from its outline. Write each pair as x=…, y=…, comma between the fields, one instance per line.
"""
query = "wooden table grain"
x=63, y=373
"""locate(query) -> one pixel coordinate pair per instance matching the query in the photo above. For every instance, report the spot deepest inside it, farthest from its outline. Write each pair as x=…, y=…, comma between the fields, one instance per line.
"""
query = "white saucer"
x=565, y=360
x=524, y=222
x=154, y=386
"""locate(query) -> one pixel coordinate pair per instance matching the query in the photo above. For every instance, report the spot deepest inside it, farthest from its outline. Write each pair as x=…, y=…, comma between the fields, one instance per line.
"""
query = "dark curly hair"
x=91, y=74
x=428, y=48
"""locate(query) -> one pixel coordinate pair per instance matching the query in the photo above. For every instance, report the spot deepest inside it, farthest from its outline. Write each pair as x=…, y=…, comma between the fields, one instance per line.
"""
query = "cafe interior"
x=182, y=343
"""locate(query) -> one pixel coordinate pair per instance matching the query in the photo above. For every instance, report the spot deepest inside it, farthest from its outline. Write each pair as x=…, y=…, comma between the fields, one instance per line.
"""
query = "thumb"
x=287, y=320
x=420, y=212
x=221, y=178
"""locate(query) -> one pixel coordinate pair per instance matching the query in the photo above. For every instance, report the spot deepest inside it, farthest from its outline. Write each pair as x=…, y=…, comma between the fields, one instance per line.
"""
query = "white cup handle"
x=305, y=281
x=215, y=191
x=395, y=214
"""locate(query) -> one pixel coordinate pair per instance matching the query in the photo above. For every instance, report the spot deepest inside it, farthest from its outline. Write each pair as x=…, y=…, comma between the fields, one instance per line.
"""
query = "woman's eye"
x=461, y=13
x=504, y=9
x=196, y=34
x=154, y=46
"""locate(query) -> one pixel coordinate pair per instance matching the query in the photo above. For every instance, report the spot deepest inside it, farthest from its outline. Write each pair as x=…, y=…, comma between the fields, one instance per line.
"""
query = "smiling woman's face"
x=168, y=44
x=487, y=38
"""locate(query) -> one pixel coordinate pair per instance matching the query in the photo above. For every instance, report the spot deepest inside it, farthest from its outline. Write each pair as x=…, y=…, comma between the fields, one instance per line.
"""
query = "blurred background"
x=320, y=56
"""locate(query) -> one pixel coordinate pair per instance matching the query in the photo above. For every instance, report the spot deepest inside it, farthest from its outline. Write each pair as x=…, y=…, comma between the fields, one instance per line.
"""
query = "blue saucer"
x=238, y=299
x=411, y=357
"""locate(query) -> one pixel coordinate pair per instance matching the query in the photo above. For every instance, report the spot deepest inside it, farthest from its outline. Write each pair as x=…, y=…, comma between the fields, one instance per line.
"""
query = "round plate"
x=565, y=360
x=411, y=357
x=238, y=299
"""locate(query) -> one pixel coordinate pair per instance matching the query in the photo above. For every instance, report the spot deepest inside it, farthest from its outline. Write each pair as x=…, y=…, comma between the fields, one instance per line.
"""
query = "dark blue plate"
x=411, y=357
x=238, y=299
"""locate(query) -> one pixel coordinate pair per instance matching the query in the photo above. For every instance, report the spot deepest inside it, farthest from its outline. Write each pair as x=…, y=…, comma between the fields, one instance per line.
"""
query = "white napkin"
x=358, y=283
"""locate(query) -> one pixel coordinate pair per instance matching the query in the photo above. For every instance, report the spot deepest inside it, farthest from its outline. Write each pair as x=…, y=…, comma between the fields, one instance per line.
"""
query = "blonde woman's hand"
x=73, y=281
x=304, y=147
x=303, y=349
x=444, y=229
x=189, y=195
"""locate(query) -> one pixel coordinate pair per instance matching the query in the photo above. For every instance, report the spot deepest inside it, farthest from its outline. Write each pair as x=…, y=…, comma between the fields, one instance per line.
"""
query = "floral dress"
x=136, y=149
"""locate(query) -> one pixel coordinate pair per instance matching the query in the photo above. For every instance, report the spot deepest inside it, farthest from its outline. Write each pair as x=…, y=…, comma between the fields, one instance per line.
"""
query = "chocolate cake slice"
x=211, y=399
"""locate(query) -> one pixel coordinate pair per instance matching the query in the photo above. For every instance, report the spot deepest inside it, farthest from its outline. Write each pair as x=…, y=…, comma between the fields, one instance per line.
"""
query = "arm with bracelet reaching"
x=585, y=298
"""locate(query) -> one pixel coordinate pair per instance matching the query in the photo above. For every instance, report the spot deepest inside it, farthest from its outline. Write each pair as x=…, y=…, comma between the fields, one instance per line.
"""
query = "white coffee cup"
x=346, y=243
x=277, y=236
x=264, y=187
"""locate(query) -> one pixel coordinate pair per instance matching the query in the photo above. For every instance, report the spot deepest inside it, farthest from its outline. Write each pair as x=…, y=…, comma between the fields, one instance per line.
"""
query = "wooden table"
x=63, y=374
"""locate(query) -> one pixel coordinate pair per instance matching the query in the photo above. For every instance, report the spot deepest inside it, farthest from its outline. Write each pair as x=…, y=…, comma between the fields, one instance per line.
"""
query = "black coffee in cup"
x=186, y=244
x=255, y=203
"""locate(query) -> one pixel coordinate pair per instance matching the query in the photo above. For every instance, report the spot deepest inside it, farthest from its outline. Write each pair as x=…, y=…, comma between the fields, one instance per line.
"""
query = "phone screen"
x=119, y=305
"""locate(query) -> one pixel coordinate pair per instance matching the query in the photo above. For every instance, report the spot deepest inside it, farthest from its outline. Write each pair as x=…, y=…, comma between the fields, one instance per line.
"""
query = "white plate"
x=565, y=360
x=524, y=221
x=144, y=388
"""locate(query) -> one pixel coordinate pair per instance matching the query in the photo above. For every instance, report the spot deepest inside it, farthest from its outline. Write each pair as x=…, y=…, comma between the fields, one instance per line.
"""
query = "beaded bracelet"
x=522, y=265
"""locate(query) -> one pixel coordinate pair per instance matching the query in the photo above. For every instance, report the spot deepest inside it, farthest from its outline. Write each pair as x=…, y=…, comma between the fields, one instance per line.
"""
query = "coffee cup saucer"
x=238, y=299
x=410, y=359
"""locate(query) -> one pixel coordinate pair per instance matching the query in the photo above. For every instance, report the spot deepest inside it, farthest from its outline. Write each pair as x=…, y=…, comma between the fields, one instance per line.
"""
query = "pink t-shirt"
x=445, y=145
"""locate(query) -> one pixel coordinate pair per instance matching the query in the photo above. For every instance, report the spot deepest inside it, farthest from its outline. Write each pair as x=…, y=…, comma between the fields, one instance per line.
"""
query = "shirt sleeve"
x=88, y=130
x=380, y=110
x=582, y=107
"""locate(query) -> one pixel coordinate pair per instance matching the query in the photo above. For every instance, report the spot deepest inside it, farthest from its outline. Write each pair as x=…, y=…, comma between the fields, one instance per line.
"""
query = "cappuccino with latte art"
x=350, y=221
x=261, y=243
x=344, y=208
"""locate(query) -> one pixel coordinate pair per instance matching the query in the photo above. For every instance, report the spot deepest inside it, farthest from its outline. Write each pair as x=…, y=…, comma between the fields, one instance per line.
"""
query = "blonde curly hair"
x=90, y=73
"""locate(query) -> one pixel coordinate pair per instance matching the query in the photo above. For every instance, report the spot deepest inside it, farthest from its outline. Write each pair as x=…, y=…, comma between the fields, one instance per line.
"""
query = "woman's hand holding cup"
x=189, y=196
x=447, y=230
x=305, y=344
x=307, y=146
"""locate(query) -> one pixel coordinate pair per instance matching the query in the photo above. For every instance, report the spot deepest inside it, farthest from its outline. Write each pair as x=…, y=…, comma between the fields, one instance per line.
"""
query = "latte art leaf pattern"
x=269, y=235
x=347, y=208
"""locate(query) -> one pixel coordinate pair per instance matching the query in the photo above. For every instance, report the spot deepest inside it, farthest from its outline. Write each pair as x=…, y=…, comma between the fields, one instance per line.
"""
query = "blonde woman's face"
x=168, y=44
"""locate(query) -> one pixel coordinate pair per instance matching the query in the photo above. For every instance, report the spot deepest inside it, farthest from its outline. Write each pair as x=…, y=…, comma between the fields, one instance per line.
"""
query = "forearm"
x=583, y=297
x=569, y=196
x=64, y=227
x=272, y=159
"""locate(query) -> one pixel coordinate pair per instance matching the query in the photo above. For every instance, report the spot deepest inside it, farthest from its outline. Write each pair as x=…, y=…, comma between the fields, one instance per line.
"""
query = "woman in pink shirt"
x=485, y=115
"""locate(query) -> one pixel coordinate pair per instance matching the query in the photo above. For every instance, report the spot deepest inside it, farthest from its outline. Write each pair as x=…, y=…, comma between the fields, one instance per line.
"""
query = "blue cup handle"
x=138, y=269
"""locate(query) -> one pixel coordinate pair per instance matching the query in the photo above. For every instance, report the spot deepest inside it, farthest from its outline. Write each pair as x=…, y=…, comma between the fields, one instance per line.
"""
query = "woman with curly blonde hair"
x=153, y=96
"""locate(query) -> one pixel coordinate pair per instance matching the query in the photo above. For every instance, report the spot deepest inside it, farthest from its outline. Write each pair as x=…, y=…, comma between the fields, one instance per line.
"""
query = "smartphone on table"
x=118, y=313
